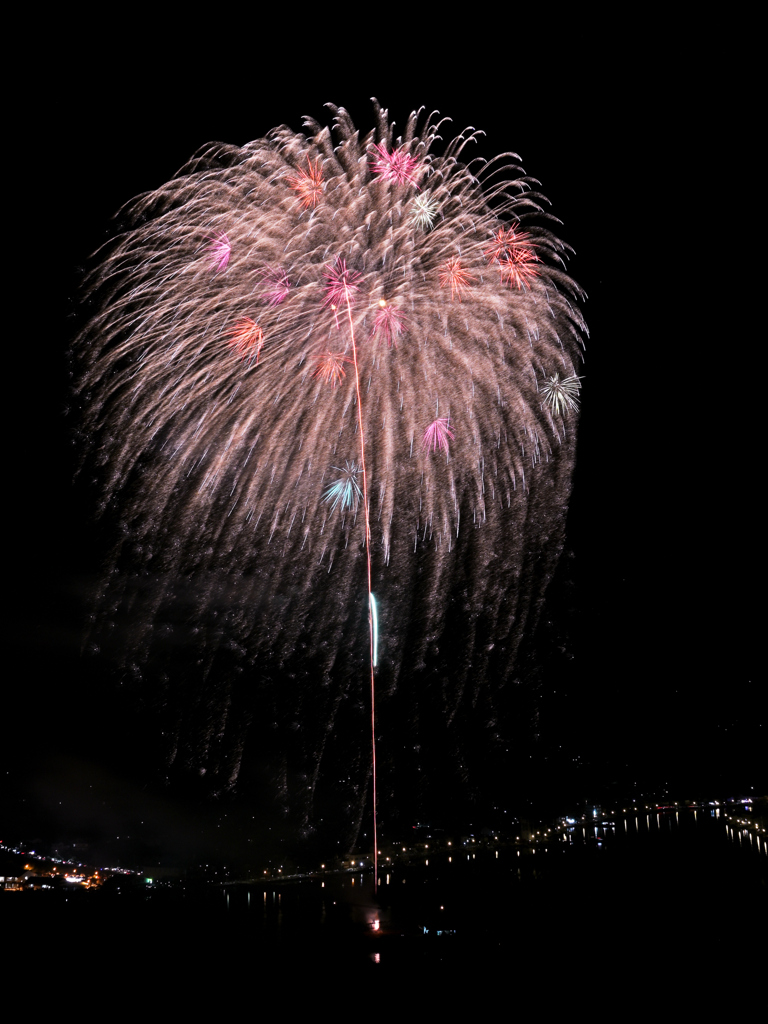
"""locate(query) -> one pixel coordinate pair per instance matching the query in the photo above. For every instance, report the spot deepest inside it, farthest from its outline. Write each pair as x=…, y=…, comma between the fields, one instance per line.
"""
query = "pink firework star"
x=341, y=284
x=390, y=323
x=437, y=435
x=518, y=267
x=452, y=273
x=397, y=166
x=277, y=285
x=219, y=251
x=308, y=184
x=330, y=367
x=247, y=338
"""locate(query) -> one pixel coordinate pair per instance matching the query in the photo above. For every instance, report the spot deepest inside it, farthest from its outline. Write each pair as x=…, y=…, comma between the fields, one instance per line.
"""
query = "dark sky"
x=660, y=604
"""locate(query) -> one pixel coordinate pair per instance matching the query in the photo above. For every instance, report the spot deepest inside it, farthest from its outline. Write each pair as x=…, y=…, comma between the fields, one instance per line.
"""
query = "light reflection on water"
x=598, y=895
x=671, y=858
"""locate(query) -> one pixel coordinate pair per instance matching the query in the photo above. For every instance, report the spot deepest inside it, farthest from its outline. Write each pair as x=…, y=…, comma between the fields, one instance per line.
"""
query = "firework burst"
x=344, y=492
x=514, y=257
x=247, y=338
x=276, y=285
x=389, y=323
x=330, y=367
x=219, y=252
x=561, y=395
x=455, y=275
x=506, y=242
x=308, y=184
x=397, y=166
x=221, y=466
x=340, y=284
x=424, y=210
x=437, y=435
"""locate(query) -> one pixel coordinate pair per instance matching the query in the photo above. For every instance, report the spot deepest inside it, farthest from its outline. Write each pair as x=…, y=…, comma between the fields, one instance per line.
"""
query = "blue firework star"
x=344, y=491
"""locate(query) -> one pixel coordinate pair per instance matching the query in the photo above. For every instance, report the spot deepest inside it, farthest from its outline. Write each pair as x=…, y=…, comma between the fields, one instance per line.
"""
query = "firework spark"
x=345, y=491
x=227, y=470
x=424, y=209
x=561, y=395
x=219, y=252
x=437, y=435
x=330, y=367
x=396, y=166
x=453, y=273
x=247, y=338
x=514, y=255
x=506, y=241
x=308, y=184
x=276, y=285
x=518, y=268
x=389, y=323
x=340, y=284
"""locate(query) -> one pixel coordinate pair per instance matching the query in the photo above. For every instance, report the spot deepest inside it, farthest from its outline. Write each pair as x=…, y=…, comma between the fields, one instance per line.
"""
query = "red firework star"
x=330, y=367
x=452, y=273
x=517, y=267
x=397, y=166
x=247, y=338
x=504, y=244
x=390, y=323
x=308, y=184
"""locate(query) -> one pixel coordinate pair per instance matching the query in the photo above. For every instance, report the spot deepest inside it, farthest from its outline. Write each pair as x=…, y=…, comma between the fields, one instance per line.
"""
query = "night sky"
x=652, y=623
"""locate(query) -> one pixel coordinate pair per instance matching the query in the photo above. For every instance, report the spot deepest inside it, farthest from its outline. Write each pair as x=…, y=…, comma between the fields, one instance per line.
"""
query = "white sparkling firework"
x=561, y=395
x=424, y=210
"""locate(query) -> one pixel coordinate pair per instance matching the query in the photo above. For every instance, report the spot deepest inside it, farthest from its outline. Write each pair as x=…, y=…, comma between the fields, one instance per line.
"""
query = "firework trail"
x=224, y=426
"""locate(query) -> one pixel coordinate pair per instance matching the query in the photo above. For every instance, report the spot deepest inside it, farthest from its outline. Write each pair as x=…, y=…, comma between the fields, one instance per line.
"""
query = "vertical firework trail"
x=285, y=331
x=372, y=659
